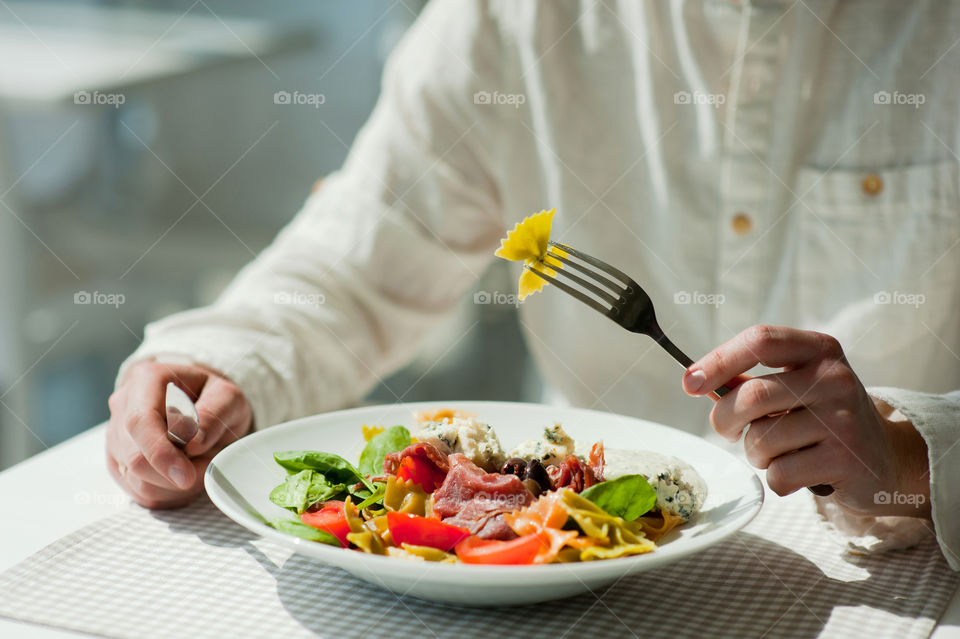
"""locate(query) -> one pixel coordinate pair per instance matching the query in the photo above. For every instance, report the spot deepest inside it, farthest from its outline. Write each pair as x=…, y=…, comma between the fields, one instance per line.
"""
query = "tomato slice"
x=522, y=550
x=330, y=518
x=421, y=472
x=406, y=528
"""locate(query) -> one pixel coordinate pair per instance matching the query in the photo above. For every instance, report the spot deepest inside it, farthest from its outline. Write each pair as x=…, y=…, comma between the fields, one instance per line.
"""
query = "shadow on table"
x=747, y=586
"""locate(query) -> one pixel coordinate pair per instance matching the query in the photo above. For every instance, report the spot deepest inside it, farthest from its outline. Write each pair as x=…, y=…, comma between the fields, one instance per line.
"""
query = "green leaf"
x=322, y=491
x=389, y=441
x=300, y=529
x=628, y=497
x=292, y=493
x=375, y=498
x=301, y=490
x=334, y=467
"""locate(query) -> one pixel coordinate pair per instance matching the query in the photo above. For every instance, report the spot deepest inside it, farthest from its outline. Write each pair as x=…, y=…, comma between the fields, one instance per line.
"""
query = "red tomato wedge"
x=421, y=472
x=330, y=518
x=421, y=531
x=522, y=550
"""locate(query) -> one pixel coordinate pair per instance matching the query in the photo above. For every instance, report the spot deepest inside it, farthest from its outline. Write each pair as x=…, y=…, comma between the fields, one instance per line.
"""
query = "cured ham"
x=573, y=474
x=477, y=500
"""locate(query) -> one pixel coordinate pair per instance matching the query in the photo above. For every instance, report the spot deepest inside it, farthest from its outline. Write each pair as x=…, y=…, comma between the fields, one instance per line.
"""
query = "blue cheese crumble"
x=680, y=489
x=468, y=436
x=552, y=448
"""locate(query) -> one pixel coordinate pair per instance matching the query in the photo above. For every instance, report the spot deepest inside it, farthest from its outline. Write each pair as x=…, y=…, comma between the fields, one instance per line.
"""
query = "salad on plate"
x=450, y=493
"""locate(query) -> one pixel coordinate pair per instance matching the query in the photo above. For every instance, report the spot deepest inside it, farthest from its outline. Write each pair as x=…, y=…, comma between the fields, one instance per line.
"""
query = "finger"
x=122, y=448
x=181, y=426
x=138, y=466
x=146, y=416
x=758, y=397
x=152, y=496
x=819, y=464
x=772, y=346
x=150, y=381
x=223, y=414
x=772, y=437
x=149, y=391
x=148, y=429
x=730, y=384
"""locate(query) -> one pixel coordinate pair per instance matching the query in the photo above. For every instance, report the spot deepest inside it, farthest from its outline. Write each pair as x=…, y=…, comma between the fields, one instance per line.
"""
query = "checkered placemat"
x=194, y=573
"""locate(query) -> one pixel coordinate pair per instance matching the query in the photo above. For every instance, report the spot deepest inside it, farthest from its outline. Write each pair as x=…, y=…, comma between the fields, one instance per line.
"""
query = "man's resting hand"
x=144, y=462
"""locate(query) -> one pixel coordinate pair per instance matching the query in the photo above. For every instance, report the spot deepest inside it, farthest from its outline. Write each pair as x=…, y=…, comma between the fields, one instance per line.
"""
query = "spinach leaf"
x=300, y=529
x=301, y=490
x=628, y=497
x=389, y=441
x=376, y=497
x=361, y=493
x=334, y=467
x=320, y=490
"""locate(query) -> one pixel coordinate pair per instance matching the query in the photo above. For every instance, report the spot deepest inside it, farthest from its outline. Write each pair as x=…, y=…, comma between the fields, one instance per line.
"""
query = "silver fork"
x=629, y=305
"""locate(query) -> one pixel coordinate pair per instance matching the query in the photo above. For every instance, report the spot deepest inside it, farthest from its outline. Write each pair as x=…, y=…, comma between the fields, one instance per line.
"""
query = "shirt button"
x=741, y=223
x=872, y=184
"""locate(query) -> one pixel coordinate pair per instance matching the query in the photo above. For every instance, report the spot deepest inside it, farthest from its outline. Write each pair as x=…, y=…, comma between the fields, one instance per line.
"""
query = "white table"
x=67, y=487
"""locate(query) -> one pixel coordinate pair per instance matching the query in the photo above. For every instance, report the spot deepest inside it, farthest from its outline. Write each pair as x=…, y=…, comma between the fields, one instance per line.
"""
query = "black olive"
x=535, y=471
x=514, y=466
x=533, y=487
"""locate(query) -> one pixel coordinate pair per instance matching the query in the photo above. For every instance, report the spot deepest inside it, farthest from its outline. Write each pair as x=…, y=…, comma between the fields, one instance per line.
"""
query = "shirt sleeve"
x=936, y=419
x=384, y=249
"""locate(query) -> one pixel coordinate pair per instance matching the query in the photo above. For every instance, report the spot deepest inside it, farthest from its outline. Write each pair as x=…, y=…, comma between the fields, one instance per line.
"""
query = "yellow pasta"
x=655, y=527
x=360, y=533
x=421, y=553
x=405, y=497
x=528, y=243
x=614, y=537
x=369, y=432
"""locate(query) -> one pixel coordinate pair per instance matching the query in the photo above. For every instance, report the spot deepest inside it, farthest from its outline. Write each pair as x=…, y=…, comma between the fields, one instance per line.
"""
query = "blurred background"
x=149, y=149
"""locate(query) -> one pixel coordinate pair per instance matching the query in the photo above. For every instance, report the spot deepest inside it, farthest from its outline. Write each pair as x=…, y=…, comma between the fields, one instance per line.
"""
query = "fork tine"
x=566, y=288
x=613, y=286
x=592, y=261
x=593, y=288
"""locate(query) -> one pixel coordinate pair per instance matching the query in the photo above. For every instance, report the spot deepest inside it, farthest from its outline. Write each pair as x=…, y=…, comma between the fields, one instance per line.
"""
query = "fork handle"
x=681, y=357
x=820, y=489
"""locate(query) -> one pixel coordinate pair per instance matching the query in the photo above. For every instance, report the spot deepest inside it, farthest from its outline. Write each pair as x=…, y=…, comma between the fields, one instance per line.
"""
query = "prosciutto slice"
x=424, y=450
x=573, y=474
x=477, y=500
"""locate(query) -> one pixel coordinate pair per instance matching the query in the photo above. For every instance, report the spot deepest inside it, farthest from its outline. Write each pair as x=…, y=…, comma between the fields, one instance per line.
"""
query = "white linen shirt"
x=790, y=163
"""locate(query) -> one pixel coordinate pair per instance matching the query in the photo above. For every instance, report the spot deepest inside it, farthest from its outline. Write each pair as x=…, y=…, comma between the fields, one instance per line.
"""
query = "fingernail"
x=694, y=381
x=199, y=437
x=178, y=476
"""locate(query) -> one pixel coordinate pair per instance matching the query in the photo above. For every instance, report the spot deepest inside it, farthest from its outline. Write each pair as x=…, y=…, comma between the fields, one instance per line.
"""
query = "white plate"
x=240, y=478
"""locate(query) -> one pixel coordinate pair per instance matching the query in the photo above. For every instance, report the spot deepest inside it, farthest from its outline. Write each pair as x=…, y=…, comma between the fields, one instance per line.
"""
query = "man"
x=762, y=167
